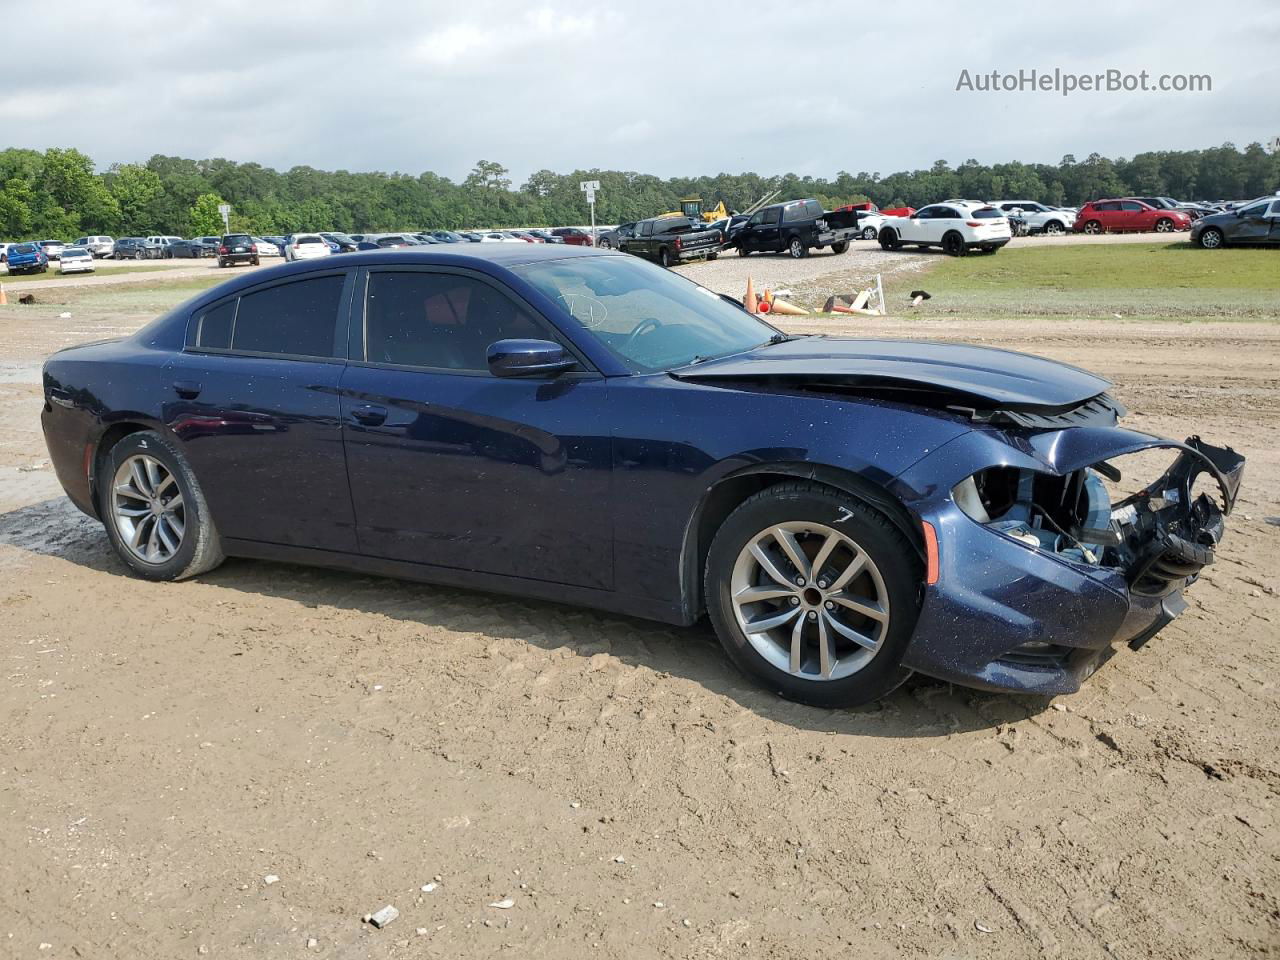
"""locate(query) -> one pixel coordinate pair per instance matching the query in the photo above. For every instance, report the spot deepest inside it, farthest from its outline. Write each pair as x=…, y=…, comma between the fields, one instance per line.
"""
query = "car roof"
x=474, y=256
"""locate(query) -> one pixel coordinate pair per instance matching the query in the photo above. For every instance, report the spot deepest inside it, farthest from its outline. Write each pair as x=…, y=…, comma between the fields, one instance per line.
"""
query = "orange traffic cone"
x=838, y=308
x=750, y=301
x=768, y=297
x=787, y=309
x=3, y=299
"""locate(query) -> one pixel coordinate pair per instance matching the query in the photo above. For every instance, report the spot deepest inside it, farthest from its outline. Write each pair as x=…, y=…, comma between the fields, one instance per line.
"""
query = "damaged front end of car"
x=1042, y=571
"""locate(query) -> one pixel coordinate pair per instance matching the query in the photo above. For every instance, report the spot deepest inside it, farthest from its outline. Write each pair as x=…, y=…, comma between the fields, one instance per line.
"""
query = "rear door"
x=254, y=402
x=454, y=467
x=1253, y=224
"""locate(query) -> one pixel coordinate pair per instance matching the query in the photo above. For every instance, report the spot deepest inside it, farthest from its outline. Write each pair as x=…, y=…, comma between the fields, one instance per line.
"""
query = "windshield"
x=75, y=252
x=24, y=248
x=648, y=317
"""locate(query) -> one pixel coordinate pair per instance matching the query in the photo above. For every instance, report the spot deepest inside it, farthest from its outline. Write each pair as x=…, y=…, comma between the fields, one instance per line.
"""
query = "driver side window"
x=439, y=320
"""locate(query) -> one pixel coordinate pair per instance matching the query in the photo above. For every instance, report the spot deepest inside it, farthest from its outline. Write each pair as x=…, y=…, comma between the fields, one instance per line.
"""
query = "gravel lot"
x=164, y=749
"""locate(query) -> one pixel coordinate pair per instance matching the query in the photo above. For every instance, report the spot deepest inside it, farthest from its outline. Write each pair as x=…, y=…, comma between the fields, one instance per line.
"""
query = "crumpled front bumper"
x=1006, y=616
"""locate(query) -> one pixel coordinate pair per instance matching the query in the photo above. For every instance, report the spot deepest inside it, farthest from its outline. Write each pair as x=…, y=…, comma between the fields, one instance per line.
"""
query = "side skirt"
x=606, y=600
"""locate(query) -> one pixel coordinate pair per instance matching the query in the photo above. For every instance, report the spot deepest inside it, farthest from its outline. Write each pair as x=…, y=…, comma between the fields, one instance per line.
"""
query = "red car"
x=572, y=235
x=1122, y=216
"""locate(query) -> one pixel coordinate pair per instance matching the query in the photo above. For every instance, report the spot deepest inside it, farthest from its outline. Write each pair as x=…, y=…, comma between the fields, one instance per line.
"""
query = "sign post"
x=225, y=210
x=589, y=187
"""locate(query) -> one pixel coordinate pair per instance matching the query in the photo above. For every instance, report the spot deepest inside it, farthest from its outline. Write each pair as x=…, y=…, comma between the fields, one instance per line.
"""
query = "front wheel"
x=138, y=255
x=1164, y=225
x=889, y=240
x=1211, y=238
x=813, y=593
x=743, y=251
x=605, y=244
x=1054, y=229
x=154, y=510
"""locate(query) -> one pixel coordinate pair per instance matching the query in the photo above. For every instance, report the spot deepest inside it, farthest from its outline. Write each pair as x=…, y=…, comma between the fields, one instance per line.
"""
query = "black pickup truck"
x=668, y=240
x=796, y=227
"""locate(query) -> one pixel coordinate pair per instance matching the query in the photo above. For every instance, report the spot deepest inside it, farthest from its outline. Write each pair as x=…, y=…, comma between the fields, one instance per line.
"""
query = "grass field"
x=1171, y=281
x=53, y=274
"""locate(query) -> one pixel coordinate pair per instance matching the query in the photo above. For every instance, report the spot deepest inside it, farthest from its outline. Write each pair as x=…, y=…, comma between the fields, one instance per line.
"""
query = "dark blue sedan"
x=582, y=426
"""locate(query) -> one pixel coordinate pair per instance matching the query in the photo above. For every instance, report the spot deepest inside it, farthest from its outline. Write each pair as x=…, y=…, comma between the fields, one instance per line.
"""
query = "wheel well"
x=725, y=497
x=113, y=435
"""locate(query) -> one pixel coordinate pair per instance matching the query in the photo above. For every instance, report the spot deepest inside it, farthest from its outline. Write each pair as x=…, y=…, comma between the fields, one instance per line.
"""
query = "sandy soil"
x=165, y=749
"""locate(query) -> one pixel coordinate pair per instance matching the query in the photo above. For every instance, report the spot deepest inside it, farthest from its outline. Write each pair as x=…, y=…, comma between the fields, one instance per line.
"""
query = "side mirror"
x=528, y=358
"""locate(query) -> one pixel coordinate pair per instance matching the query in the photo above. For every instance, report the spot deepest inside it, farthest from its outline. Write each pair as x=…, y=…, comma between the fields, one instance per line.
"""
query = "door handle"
x=369, y=414
x=186, y=389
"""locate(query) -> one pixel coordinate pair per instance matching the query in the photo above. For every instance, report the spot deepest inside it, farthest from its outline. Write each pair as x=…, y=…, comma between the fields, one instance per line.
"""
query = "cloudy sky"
x=662, y=87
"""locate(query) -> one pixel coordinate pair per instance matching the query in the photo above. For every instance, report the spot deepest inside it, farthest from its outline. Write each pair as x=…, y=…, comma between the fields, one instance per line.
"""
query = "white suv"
x=1038, y=217
x=98, y=246
x=956, y=226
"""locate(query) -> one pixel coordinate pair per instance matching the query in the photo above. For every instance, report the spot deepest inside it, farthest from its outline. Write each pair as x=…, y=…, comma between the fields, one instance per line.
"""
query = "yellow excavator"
x=691, y=207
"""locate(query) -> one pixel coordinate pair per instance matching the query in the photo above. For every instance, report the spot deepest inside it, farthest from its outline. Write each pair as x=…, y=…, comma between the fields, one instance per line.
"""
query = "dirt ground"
x=245, y=764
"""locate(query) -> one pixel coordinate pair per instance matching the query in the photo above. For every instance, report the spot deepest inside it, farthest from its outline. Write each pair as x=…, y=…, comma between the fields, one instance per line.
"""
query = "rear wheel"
x=1211, y=238
x=254, y=261
x=889, y=240
x=664, y=258
x=840, y=246
x=953, y=244
x=154, y=510
x=138, y=254
x=605, y=244
x=797, y=248
x=813, y=593
x=1093, y=227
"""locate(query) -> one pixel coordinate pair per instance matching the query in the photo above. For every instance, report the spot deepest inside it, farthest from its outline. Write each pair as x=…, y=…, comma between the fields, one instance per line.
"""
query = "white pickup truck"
x=1038, y=217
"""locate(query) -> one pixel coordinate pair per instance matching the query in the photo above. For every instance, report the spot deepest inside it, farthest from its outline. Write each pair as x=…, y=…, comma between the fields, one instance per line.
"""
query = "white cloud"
x=666, y=87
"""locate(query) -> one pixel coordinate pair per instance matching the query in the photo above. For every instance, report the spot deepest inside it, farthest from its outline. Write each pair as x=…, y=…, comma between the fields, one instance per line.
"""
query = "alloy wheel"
x=810, y=600
x=148, y=509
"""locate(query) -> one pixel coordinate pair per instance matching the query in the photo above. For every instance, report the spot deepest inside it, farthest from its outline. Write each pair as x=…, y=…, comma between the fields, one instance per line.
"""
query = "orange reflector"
x=930, y=553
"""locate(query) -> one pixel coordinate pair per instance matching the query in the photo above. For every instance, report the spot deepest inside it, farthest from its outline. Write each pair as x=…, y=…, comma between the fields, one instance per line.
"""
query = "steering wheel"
x=646, y=325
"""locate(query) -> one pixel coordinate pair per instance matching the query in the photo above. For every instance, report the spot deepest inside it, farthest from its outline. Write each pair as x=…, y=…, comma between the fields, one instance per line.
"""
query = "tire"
x=840, y=246
x=712, y=256
x=664, y=258
x=889, y=240
x=1054, y=229
x=221, y=263
x=605, y=244
x=254, y=261
x=797, y=249
x=813, y=515
x=743, y=251
x=138, y=254
x=174, y=541
x=1211, y=238
x=1093, y=227
x=1164, y=225
x=869, y=233
x=953, y=244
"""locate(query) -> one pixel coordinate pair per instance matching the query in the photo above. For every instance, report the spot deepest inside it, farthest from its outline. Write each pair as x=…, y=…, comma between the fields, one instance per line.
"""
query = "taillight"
x=973, y=223
x=677, y=243
x=223, y=250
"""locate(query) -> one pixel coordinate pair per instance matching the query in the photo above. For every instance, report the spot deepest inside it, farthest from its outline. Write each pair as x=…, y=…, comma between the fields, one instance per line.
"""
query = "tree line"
x=60, y=194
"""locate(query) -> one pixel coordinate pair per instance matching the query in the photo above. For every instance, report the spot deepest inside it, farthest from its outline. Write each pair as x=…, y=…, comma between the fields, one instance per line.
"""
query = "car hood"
x=980, y=377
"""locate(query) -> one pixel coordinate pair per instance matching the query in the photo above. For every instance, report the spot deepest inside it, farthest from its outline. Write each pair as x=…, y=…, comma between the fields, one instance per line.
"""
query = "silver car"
x=99, y=246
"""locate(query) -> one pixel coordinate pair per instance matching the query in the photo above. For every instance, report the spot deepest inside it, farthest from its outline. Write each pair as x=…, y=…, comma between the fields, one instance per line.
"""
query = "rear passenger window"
x=297, y=319
x=213, y=327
